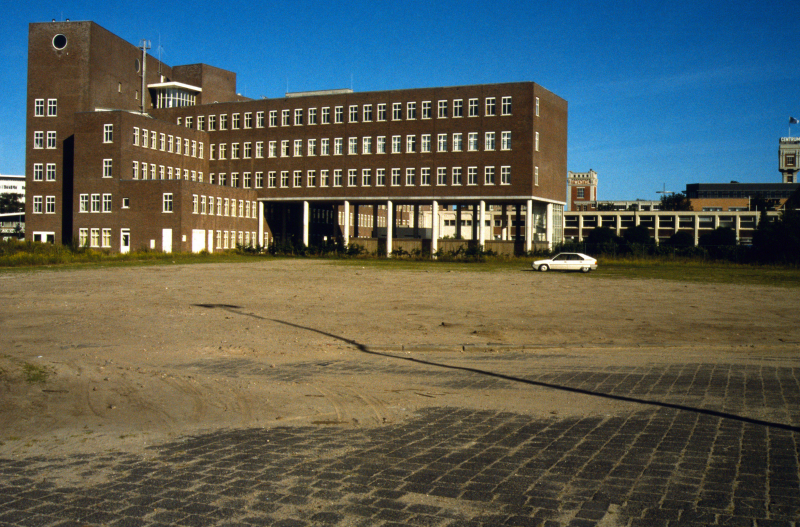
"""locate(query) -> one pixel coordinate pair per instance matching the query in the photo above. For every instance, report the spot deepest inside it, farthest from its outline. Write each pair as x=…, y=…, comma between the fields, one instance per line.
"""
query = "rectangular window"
x=473, y=107
x=367, y=113
x=396, y=142
x=284, y=179
x=106, y=237
x=273, y=148
x=491, y=106
x=84, y=203
x=411, y=110
x=247, y=180
x=95, y=237
x=472, y=144
x=107, y=168
x=234, y=150
x=381, y=145
x=259, y=180
x=425, y=176
x=273, y=118
x=411, y=143
x=106, y=202
x=38, y=171
x=212, y=123
x=152, y=171
x=271, y=179
x=38, y=108
x=397, y=111
x=312, y=147
x=259, y=119
x=311, y=178
x=312, y=116
x=83, y=237
x=337, y=178
x=380, y=177
x=51, y=139
x=458, y=108
x=248, y=150
x=298, y=117
x=235, y=179
x=411, y=176
x=285, y=148
x=337, y=146
x=135, y=173
x=227, y=211
x=338, y=116
x=223, y=121
x=395, y=177
x=352, y=145
x=325, y=147
x=537, y=107
x=426, y=109
x=285, y=116
x=488, y=173
x=382, y=112
x=326, y=116
x=366, y=177
x=442, y=143
x=536, y=176
x=51, y=172
x=201, y=122
x=202, y=204
x=352, y=177
x=52, y=107
x=259, y=149
x=441, y=176
x=248, y=120
x=189, y=121
x=38, y=139
x=161, y=172
x=536, y=141
x=297, y=179
x=223, y=150
x=223, y=178
x=442, y=109
x=426, y=142
x=366, y=145
x=323, y=178
x=162, y=142
x=135, y=136
x=506, y=108
x=353, y=113
x=95, y=203
x=489, y=142
x=472, y=175
x=298, y=147
x=37, y=204
x=505, y=175
x=505, y=140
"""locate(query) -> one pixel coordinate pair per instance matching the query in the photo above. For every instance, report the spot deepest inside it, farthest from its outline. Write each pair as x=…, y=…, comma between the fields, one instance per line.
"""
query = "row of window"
x=152, y=171
x=355, y=113
x=49, y=204
x=39, y=108
x=92, y=237
x=167, y=143
x=224, y=206
x=44, y=172
x=39, y=139
x=366, y=145
x=95, y=203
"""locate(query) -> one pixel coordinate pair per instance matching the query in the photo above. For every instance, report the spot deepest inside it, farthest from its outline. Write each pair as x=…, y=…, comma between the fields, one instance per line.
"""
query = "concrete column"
x=677, y=223
x=481, y=221
x=375, y=220
x=619, y=224
x=416, y=220
x=636, y=218
x=346, y=226
x=389, y=227
x=306, y=221
x=474, y=222
x=434, y=228
x=738, y=226
x=504, y=224
x=716, y=221
x=529, y=225
x=518, y=216
x=696, y=229
x=356, y=221
x=261, y=223
x=458, y=221
x=580, y=227
x=658, y=226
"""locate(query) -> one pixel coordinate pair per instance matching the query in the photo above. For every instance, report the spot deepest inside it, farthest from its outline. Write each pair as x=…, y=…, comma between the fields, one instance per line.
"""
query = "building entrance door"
x=125, y=241
x=166, y=240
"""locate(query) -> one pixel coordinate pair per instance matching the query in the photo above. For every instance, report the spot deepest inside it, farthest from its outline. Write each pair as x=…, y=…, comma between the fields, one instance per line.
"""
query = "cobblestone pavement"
x=709, y=444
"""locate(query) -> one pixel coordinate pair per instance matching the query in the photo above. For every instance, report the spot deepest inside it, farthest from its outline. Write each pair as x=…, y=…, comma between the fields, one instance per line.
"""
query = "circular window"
x=59, y=41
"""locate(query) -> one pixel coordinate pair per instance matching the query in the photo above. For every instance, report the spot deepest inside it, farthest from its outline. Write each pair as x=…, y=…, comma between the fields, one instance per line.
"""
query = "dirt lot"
x=123, y=358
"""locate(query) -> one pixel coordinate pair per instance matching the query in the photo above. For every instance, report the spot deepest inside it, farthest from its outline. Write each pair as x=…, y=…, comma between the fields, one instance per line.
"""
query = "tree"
x=678, y=201
x=637, y=234
x=11, y=202
x=602, y=236
x=721, y=236
x=681, y=239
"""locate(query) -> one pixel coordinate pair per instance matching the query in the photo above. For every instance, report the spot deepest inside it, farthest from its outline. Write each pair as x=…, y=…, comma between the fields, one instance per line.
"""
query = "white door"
x=198, y=240
x=210, y=241
x=125, y=241
x=166, y=240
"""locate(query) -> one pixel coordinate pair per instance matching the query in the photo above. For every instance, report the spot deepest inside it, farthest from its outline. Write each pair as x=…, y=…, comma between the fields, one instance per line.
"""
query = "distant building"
x=789, y=154
x=581, y=190
x=12, y=225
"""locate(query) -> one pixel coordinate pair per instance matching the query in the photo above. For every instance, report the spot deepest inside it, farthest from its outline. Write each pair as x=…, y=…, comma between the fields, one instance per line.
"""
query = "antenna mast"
x=144, y=45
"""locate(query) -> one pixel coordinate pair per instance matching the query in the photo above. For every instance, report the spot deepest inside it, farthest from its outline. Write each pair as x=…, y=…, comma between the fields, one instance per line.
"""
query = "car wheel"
x=585, y=269
x=544, y=268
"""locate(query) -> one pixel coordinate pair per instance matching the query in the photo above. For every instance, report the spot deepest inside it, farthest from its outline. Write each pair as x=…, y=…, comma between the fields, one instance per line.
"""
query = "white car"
x=566, y=262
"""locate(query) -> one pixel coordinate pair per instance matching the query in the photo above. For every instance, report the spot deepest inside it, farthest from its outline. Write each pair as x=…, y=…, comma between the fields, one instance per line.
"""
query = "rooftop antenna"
x=160, y=49
x=664, y=191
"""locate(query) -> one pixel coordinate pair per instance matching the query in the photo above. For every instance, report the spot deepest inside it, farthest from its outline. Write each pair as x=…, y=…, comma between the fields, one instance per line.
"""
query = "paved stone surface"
x=709, y=444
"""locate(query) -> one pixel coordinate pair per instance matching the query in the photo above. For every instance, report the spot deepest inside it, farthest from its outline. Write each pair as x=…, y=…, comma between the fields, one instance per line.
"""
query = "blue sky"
x=660, y=93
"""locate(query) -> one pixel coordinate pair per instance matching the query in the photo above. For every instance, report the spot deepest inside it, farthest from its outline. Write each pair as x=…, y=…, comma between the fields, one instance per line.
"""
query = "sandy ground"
x=137, y=356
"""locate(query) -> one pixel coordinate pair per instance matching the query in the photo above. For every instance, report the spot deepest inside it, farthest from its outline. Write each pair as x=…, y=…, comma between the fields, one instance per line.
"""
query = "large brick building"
x=126, y=152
